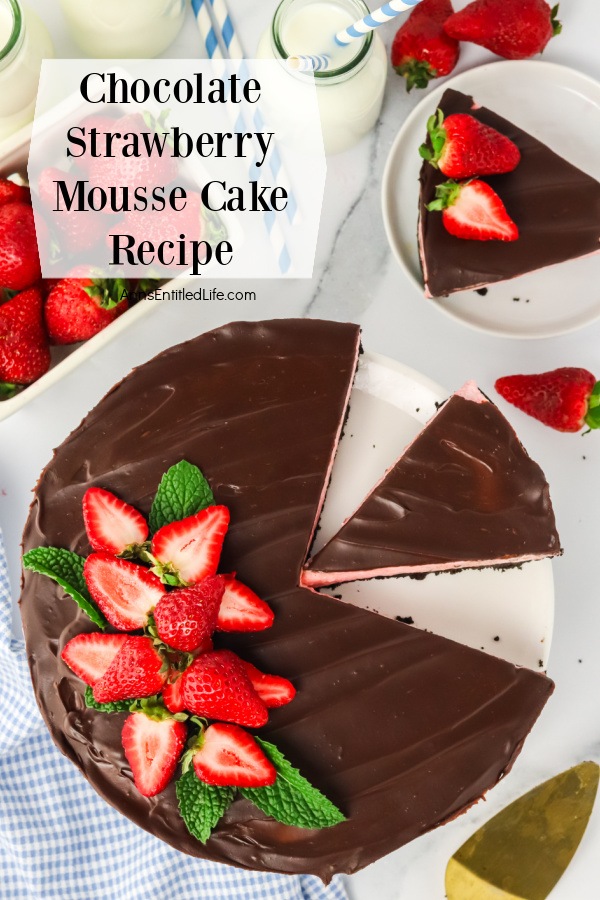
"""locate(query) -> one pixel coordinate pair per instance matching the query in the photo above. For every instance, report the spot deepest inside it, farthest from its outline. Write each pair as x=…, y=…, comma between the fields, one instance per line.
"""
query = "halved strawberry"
x=216, y=686
x=172, y=695
x=192, y=546
x=473, y=210
x=152, y=747
x=273, y=690
x=90, y=655
x=137, y=670
x=125, y=591
x=242, y=610
x=187, y=616
x=111, y=524
x=228, y=755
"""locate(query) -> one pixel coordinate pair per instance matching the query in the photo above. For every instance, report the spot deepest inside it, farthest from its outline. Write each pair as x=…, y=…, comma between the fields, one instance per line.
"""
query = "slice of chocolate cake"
x=555, y=206
x=463, y=494
x=401, y=729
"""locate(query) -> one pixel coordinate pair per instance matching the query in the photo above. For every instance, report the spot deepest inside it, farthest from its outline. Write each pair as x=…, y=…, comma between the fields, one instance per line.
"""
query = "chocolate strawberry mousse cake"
x=398, y=728
x=555, y=206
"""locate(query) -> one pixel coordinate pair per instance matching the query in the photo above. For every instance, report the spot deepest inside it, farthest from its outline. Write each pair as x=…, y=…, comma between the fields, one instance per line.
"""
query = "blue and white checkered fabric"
x=59, y=840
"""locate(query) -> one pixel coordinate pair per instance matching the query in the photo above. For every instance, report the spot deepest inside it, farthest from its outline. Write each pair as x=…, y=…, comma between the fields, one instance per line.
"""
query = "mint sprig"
x=201, y=805
x=292, y=799
x=182, y=492
x=112, y=707
x=66, y=569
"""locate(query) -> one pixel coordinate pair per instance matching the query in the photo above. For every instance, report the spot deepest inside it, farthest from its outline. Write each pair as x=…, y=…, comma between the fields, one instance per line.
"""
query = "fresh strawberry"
x=229, y=756
x=474, y=211
x=19, y=259
x=514, y=29
x=216, y=686
x=77, y=308
x=24, y=350
x=136, y=671
x=152, y=748
x=111, y=524
x=421, y=49
x=75, y=232
x=461, y=147
x=186, y=617
x=273, y=690
x=242, y=610
x=90, y=655
x=11, y=192
x=103, y=124
x=125, y=591
x=172, y=695
x=192, y=546
x=565, y=399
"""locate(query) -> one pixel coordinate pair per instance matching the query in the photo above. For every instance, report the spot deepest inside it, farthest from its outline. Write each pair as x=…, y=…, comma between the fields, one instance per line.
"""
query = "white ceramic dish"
x=557, y=105
x=389, y=405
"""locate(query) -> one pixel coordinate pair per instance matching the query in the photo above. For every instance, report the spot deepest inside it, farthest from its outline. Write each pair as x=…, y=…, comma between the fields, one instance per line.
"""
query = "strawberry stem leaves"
x=66, y=569
x=418, y=73
x=437, y=138
x=556, y=25
x=182, y=492
x=112, y=707
x=446, y=195
x=8, y=390
x=201, y=805
x=592, y=418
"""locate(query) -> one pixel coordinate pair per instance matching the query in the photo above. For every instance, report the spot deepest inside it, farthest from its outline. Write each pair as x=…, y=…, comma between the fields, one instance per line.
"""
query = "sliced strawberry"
x=186, y=617
x=192, y=546
x=136, y=671
x=216, y=686
x=152, y=747
x=111, y=524
x=125, y=591
x=228, y=755
x=243, y=610
x=172, y=695
x=273, y=690
x=473, y=210
x=90, y=655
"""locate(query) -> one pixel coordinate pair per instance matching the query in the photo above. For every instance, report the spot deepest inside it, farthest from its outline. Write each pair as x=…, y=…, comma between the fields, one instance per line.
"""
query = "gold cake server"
x=522, y=852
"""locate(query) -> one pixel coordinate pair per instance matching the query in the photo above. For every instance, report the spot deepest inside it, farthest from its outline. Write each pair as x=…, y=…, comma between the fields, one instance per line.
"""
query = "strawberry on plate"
x=228, y=756
x=514, y=29
x=137, y=670
x=216, y=686
x=192, y=546
x=422, y=50
x=187, y=616
x=152, y=747
x=242, y=610
x=472, y=210
x=125, y=591
x=24, y=350
x=19, y=258
x=566, y=399
x=79, y=307
x=273, y=690
x=90, y=654
x=111, y=524
x=461, y=147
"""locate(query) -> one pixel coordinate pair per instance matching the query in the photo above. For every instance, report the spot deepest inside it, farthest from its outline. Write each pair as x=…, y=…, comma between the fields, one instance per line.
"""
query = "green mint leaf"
x=201, y=805
x=115, y=706
x=182, y=492
x=66, y=569
x=292, y=799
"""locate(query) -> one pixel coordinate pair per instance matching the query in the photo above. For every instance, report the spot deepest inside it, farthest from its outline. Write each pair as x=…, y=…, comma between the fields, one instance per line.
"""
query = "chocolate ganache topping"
x=555, y=205
x=400, y=728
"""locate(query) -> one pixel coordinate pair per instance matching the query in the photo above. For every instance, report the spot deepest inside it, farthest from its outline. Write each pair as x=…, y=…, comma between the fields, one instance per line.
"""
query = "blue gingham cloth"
x=59, y=840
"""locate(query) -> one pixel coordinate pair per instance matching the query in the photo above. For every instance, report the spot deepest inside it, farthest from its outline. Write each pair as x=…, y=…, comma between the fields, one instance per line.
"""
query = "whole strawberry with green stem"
x=513, y=29
x=461, y=146
x=78, y=307
x=566, y=399
x=422, y=50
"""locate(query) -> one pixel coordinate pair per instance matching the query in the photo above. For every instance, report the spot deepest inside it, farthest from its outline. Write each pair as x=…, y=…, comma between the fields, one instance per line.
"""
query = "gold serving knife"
x=522, y=852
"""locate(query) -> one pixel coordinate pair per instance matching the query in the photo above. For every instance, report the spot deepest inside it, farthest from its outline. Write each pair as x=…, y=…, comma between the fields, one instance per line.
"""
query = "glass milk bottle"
x=125, y=29
x=350, y=90
x=24, y=42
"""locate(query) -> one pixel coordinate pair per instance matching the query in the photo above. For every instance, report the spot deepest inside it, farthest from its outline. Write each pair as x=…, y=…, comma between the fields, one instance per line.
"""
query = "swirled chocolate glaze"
x=464, y=493
x=402, y=729
x=555, y=205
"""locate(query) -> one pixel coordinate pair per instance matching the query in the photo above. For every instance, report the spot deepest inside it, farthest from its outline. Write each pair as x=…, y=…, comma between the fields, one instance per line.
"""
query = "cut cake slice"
x=555, y=205
x=463, y=494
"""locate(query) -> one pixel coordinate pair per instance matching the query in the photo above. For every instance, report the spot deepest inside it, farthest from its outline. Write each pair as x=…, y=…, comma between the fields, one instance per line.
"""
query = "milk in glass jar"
x=126, y=29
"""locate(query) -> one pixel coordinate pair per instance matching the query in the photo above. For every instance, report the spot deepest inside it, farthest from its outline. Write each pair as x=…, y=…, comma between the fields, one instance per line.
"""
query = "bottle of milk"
x=124, y=29
x=350, y=90
x=24, y=42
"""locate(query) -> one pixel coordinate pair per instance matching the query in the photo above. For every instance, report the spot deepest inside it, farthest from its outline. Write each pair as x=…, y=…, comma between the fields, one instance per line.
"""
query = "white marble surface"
x=356, y=279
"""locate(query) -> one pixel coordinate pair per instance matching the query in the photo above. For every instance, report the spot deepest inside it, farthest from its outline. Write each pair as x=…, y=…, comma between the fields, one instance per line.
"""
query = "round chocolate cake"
x=401, y=729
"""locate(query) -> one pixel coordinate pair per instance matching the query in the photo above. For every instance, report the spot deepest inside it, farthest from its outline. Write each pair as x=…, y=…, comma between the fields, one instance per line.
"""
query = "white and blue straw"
x=309, y=63
x=373, y=20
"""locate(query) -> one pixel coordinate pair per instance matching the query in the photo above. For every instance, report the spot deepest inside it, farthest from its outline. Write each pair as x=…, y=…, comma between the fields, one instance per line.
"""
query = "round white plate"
x=560, y=107
x=389, y=405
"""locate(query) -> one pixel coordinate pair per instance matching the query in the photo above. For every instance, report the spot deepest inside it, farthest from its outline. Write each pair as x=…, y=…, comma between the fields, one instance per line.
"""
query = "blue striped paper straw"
x=373, y=20
x=207, y=31
x=309, y=63
x=224, y=25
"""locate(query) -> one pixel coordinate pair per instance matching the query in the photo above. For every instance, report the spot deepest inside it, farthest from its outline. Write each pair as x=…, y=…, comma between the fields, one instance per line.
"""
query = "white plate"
x=389, y=405
x=555, y=104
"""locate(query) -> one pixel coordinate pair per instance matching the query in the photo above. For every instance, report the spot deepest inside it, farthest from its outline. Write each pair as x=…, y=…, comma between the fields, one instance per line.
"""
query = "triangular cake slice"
x=463, y=494
x=555, y=205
